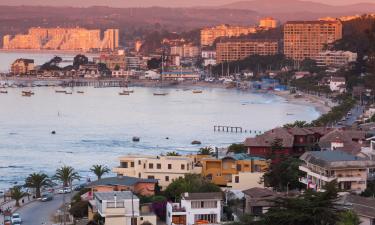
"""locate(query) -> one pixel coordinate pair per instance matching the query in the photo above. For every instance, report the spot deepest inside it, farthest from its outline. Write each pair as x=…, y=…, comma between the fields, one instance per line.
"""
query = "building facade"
x=335, y=58
x=163, y=168
x=321, y=167
x=236, y=50
x=22, y=67
x=195, y=208
x=267, y=23
x=209, y=35
x=180, y=75
x=113, y=61
x=305, y=39
x=185, y=51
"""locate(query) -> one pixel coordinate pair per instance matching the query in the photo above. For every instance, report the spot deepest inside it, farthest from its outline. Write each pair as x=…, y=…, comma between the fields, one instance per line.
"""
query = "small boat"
x=68, y=93
x=136, y=139
x=80, y=92
x=123, y=93
x=197, y=91
x=160, y=94
x=3, y=92
x=60, y=91
x=26, y=94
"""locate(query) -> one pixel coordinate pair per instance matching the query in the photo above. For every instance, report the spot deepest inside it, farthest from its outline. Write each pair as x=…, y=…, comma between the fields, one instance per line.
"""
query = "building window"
x=166, y=178
x=139, y=175
x=239, y=167
x=150, y=166
x=124, y=164
x=158, y=166
x=131, y=164
x=139, y=162
x=182, y=166
x=150, y=177
x=169, y=166
x=237, y=179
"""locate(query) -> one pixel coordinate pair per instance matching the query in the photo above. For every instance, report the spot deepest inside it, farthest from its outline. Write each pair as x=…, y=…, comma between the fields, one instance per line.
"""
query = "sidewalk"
x=10, y=204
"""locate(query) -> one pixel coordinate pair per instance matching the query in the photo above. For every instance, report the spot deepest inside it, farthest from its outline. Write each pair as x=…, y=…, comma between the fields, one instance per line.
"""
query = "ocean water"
x=97, y=127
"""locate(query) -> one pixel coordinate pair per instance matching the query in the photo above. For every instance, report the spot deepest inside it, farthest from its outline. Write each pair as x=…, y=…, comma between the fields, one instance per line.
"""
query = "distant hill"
x=297, y=6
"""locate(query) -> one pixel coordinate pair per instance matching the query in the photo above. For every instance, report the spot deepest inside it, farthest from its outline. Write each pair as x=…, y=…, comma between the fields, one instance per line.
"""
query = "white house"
x=195, y=208
x=152, y=75
x=117, y=207
x=337, y=84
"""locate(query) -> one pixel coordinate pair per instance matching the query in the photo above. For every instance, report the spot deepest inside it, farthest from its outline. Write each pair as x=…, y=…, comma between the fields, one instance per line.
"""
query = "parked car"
x=16, y=218
x=64, y=190
x=46, y=197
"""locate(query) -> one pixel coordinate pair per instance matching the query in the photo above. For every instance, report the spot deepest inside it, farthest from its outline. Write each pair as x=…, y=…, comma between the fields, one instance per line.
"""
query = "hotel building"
x=209, y=35
x=267, y=23
x=305, y=39
x=163, y=168
x=236, y=50
x=335, y=58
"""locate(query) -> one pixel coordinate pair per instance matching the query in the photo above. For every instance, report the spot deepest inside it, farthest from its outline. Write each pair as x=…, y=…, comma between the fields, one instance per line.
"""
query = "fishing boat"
x=160, y=94
x=135, y=139
x=197, y=91
x=27, y=93
x=68, y=93
x=80, y=92
x=3, y=92
x=60, y=91
x=123, y=93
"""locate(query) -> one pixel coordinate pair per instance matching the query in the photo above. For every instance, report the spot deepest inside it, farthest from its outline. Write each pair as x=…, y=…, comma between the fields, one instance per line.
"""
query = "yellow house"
x=223, y=171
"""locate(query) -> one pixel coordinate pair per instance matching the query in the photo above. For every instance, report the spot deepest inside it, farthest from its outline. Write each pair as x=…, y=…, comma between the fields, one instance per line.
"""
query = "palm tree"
x=99, y=170
x=205, y=151
x=173, y=153
x=66, y=175
x=37, y=181
x=17, y=194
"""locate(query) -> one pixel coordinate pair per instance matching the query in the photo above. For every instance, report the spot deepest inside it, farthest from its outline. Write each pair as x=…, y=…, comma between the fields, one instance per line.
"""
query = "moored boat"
x=80, y=92
x=60, y=91
x=160, y=94
x=197, y=91
x=3, y=92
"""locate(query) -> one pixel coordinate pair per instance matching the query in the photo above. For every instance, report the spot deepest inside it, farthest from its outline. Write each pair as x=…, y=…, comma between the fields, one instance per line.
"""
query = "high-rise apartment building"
x=267, y=23
x=185, y=51
x=236, y=50
x=305, y=39
x=209, y=35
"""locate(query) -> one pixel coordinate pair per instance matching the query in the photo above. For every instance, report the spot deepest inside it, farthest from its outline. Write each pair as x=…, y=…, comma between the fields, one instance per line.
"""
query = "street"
x=356, y=112
x=37, y=213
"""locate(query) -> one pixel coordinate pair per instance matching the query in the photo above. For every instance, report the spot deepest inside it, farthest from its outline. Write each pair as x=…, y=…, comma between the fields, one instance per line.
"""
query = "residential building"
x=165, y=169
x=144, y=187
x=209, y=62
x=234, y=170
x=195, y=208
x=350, y=172
x=208, y=54
x=133, y=62
x=349, y=141
x=113, y=61
x=116, y=207
x=259, y=200
x=337, y=84
x=152, y=75
x=228, y=51
x=123, y=73
x=335, y=58
x=90, y=70
x=267, y=23
x=305, y=39
x=22, y=67
x=180, y=75
x=63, y=39
x=209, y=35
x=185, y=51
x=294, y=141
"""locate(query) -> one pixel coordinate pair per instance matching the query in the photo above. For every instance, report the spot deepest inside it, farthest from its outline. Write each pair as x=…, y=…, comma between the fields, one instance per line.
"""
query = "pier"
x=95, y=83
x=234, y=129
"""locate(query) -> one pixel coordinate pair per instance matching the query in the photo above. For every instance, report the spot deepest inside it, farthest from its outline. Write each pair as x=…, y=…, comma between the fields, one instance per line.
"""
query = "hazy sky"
x=143, y=3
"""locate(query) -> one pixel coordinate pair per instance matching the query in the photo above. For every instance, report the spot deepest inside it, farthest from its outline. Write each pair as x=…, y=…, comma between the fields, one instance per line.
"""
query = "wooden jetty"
x=234, y=129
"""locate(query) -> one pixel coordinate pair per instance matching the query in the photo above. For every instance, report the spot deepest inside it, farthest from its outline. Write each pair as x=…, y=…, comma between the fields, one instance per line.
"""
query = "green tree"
x=205, y=151
x=66, y=175
x=79, y=209
x=237, y=148
x=283, y=175
x=313, y=208
x=80, y=60
x=297, y=123
x=173, y=153
x=99, y=170
x=37, y=181
x=349, y=218
x=17, y=194
x=117, y=67
x=190, y=183
x=154, y=63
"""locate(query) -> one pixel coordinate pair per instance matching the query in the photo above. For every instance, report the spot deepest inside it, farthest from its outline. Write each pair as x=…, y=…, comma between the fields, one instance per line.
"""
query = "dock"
x=234, y=129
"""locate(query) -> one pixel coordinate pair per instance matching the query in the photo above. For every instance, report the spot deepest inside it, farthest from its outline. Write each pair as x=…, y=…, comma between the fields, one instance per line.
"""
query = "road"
x=37, y=213
x=356, y=112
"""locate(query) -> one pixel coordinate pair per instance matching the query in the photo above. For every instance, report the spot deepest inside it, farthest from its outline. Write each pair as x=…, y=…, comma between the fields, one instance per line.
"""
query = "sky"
x=146, y=3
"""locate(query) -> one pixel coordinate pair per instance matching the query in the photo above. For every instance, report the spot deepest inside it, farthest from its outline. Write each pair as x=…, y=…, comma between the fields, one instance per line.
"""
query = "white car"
x=64, y=190
x=16, y=218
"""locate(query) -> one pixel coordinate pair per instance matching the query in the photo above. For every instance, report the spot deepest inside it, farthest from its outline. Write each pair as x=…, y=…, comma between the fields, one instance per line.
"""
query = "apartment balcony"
x=317, y=175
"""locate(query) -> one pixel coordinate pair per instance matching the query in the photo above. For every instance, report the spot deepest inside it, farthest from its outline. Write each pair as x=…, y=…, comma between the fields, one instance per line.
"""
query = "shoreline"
x=321, y=104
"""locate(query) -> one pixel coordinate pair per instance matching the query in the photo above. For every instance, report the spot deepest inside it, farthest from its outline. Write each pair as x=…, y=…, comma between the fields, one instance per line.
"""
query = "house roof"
x=120, y=195
x=363, y=206
x=268, y=137
x=336, y=159
x=343, y=136
x=242, y=156
x=120, y=180
x=201, y=196
x=259, y=192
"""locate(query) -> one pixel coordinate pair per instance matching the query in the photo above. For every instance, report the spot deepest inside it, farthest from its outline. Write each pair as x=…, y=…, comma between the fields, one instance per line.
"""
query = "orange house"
x=144, y=187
